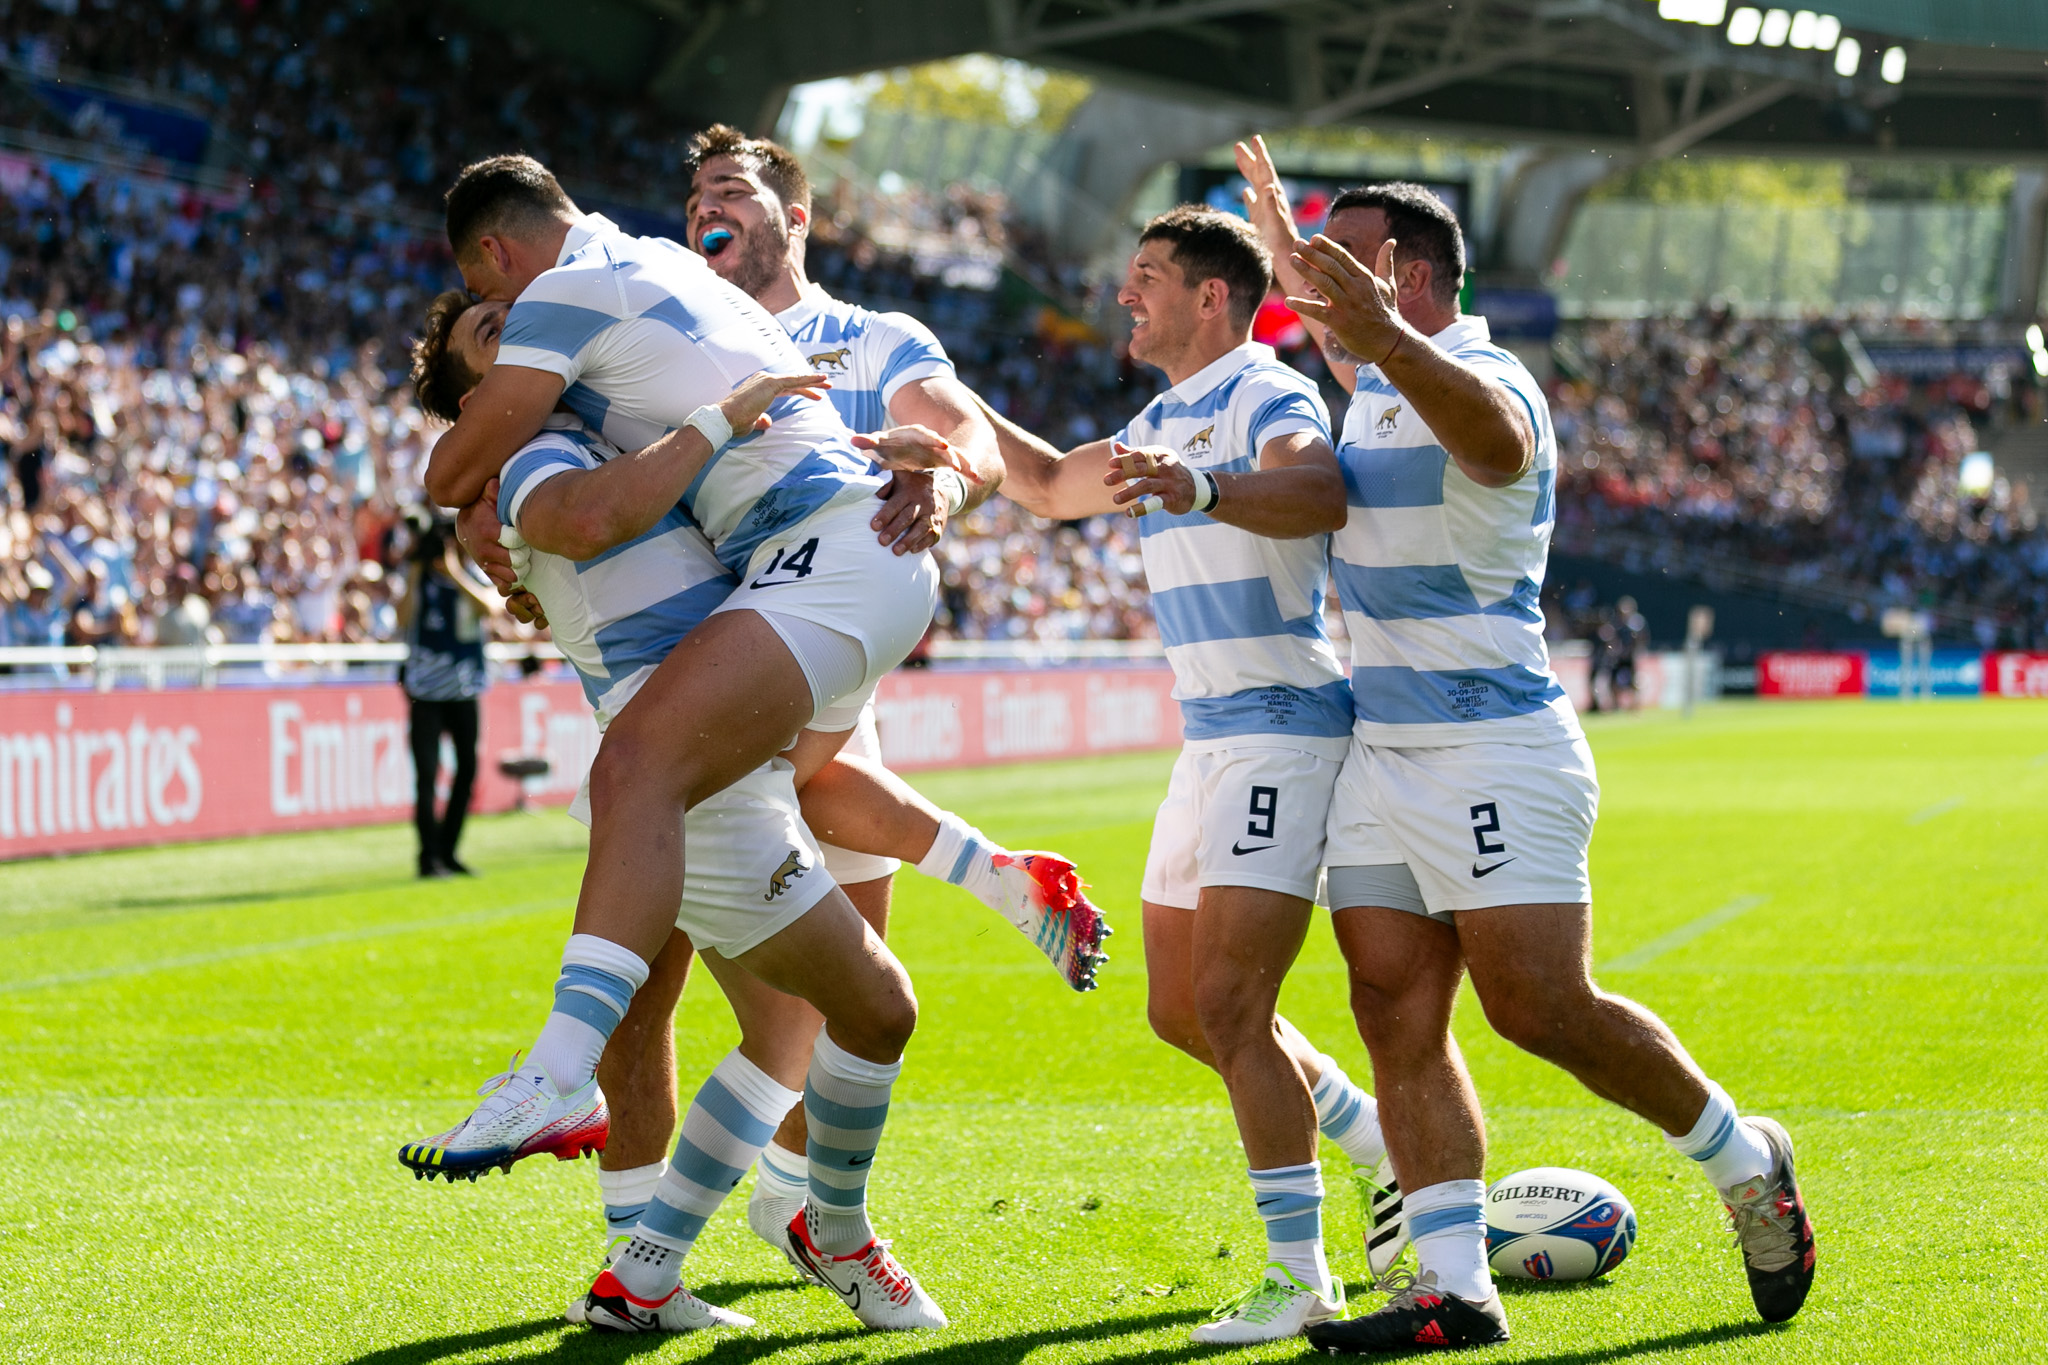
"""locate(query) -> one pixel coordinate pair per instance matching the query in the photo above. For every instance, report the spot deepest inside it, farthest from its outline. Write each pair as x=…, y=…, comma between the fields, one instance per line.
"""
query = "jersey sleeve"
x=1283, y=405
x=528, y=470
x=1506, y=370
x=910, y=353
x=552, y=326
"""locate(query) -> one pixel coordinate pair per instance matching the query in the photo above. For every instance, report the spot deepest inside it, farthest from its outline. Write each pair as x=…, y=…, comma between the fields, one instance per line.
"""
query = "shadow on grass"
x=1675, y=1341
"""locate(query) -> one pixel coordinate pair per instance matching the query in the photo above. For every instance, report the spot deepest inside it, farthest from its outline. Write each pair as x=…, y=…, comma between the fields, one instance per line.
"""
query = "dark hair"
x=439, y=374
x=775, y=164
x=1212, y=245
x=500, y=195
x=1422, y=226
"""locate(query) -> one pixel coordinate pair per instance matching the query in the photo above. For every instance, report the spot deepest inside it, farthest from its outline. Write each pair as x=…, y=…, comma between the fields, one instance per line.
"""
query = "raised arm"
x=1265, y=202
x=1297, y=490
x=1038, y=478
x=504, y=412
x=1481, y=424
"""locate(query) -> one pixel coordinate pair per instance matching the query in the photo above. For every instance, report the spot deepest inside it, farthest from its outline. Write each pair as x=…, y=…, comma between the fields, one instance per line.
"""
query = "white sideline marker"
x=1934, y=812
x=1683, y=934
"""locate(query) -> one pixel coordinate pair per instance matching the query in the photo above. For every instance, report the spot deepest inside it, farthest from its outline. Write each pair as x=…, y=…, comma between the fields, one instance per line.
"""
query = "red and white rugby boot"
x=522, y=1115
x=1043, y=898
x=611, y=1306
x=881, y=1293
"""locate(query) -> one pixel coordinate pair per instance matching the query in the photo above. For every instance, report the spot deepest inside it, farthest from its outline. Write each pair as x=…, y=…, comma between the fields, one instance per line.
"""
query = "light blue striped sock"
x=846, y=1102
x=1728, y=1150
x=1348, y=1116
x=1290, y=1199
x=1448, y=1224
x=591, y=995
x=626, y=1195
x=735, y=1112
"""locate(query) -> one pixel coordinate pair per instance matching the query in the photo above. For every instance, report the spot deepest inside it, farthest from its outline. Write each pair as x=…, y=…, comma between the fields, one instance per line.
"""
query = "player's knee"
x=1538, y=1019
x=1173, y=1020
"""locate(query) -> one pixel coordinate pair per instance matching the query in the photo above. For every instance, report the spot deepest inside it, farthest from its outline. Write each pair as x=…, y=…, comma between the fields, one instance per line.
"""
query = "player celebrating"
x=750, y=216
x=1459, y=831
x=1233, y=464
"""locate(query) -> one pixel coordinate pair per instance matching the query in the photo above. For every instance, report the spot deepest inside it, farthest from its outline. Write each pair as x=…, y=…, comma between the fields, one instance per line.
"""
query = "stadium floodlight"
x=1744, y=26
x=1692, y=11
x=2035, y=340
x=1827, y=30
x=1777, y=23
x=1893, y=67
x=1976, y=474
x=1803, y=24
x=1848, y=56
x=2041, y=364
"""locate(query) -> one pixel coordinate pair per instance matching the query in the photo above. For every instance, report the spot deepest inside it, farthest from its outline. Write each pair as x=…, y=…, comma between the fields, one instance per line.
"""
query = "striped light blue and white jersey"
x=1439, y=576
x=868, y=355
x=615, y=616
x=1241, y=615
x=643, y=333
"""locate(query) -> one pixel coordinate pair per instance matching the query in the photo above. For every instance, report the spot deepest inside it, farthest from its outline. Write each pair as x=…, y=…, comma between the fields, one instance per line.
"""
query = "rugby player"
x=1234, y=466
x=641, y=340
x=622, y=581
x=1459, y=829
x=750, y=216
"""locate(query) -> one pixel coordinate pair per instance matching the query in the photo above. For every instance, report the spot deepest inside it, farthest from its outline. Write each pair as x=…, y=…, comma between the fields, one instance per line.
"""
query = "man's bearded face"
x=738, y=225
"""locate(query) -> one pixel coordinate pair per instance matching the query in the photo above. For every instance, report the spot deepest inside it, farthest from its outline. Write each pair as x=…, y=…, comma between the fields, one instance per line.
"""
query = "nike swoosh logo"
x=859, y=1160
x=1479, y=871
x=1240, y=850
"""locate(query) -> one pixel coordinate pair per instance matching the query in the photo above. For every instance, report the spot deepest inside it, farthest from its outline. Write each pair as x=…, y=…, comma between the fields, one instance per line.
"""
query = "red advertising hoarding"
x=2010, y=673
x=84, y=770
x=1811, y=674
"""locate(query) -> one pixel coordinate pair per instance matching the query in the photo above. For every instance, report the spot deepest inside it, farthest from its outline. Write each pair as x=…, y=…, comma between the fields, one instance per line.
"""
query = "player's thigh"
x=830, y=957
x=1403, y=967
x=1490, y=824
x=1530, y=963
x=727, y=699
x=870, y=898
x=776, y=1029
x=1246, y=938
x=1173, y=871
x=1264, y=815
x=1169, y=961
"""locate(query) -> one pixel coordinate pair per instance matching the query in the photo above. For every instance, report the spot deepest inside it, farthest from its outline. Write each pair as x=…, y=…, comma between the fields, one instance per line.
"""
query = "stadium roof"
x=1610, y=73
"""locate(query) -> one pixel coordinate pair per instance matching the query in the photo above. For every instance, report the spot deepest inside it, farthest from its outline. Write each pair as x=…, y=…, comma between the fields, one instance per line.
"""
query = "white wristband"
x=1206, y=491
x=952, y=485
x=712, y=425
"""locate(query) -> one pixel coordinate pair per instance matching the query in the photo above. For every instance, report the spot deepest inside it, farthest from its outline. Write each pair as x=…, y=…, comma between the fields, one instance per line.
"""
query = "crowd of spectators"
x=1755, y=441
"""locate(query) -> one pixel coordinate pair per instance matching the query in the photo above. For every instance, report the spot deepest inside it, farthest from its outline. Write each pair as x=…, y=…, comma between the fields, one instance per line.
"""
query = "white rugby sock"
x=733, y=1115
x=1447, y=1222
x=961, y=854
x=1290, y=1200
x=597, y=983
x=626, y=1194
x=782, y=1180
x=1728, y=1150
x=1348, y=1116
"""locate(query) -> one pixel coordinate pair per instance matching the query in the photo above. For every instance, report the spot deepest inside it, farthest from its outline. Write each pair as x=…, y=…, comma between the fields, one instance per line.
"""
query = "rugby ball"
x=1551, y=1223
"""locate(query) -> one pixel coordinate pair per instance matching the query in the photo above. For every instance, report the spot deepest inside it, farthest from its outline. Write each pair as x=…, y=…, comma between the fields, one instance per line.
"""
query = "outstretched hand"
x=1151, y=479
x=913, y=447
x=746, y=408
x=1361, y=307
x=1265, y=201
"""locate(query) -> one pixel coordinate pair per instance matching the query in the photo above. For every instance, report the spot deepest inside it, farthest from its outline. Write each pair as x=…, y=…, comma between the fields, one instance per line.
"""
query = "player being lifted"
x=1459, y=831
x=750, y=216
x=1234, y=465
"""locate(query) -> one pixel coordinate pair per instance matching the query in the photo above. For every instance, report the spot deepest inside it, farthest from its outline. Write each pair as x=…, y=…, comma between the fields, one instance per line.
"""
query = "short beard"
x=760, y=261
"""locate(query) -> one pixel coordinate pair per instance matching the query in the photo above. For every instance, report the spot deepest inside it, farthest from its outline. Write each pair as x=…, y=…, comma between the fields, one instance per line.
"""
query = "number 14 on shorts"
x=791, y=563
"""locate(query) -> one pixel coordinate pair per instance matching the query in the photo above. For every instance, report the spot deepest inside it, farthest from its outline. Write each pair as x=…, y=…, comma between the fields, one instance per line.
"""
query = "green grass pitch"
x=208, y=1057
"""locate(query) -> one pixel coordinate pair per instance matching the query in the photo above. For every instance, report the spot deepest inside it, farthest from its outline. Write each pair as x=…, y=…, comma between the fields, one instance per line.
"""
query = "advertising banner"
x=1952, y=673
x=1810, y=674
x=86, y=770
x=2010, y=673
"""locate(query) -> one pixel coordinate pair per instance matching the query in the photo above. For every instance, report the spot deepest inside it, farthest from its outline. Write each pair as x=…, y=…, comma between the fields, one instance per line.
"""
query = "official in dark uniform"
x=443, y=675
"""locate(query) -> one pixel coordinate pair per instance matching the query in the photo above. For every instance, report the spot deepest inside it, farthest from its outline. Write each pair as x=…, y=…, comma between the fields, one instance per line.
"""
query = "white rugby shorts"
x=1474, y=825
x=1242, y=816
x=832, y=570
x=751, y=868
x=847, y=867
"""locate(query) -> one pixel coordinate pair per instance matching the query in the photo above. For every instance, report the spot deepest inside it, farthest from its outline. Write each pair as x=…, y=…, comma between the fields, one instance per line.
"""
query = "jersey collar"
x=1204, y=381
x=583, y=232
x=1466, y=327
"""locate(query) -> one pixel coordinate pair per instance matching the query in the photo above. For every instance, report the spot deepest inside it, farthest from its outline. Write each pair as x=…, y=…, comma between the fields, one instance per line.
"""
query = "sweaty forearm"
x=1281, y=504
x=1479, y=423
x=583, y=513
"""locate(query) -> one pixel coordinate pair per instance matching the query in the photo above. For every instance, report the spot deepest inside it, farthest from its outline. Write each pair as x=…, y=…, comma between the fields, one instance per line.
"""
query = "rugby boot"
x=1386, y=1231
x=1773, y=1230
x=522, y=1115
x=1277, y=1307
x=1043, y=897
x=611, y=1306
x=881, y=1293
x=1419, y=1317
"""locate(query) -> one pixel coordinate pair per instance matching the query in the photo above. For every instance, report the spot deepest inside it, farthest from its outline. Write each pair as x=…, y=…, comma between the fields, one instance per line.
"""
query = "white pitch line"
x=1934, y=812
x=1683, y=934
x=290, y=945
